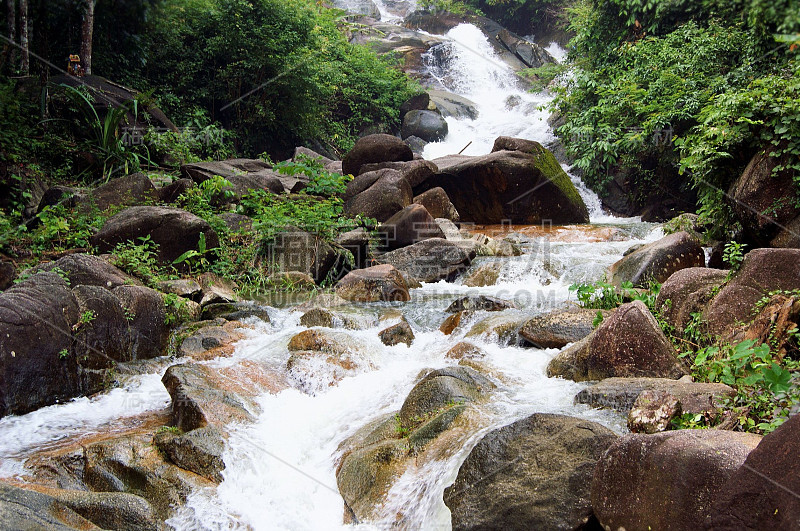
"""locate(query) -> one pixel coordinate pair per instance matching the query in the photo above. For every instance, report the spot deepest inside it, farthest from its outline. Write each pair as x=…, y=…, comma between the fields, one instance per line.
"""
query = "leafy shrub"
x=138, y=259
x=286, y=75
x=767, y=389
x=321, y=181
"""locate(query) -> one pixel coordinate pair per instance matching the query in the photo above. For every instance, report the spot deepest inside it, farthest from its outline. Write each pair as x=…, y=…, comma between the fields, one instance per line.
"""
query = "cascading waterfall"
x=280, y=470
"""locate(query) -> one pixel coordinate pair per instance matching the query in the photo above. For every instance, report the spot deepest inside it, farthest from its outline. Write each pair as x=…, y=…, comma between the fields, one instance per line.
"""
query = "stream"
x=280, y=470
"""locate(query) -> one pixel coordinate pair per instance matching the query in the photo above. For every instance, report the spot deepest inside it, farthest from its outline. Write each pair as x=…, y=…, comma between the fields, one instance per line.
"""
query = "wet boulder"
x=424, y=124
x=629, y=343
x=557, y=329
x=409, y=226
x=199, y=451
x=376, y=283
x=686, y=292
x=210, y=341
x=503, y=327
x=486, y=274
x=465, y=350
x=376, y=455
x=396, y=334
x=510, y=185
x=430, y=260
x=449, y=104
x=175, y=231
x=479, y=302
x=666, y=480
x=200, y=399
x=658, y=260
x=375, y=148
x=762, y=493
x=763, y=271
x=533, y=474
x=30, y=509
x=438, y=204
x=133, y=464
x=440, y=388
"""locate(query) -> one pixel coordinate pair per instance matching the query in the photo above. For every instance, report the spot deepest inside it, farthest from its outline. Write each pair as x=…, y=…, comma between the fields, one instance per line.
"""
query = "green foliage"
x=106, y=139
x=766, y=386
x=199, y=140
x=697, y=86
x=451, y=6
x=63, y=353
x=764, y=113
x=277, y=71
x=605, y=296
x=176, y=309
x=733, y=255
x=620, y=115
x=541, y=77
x=138, y=259
x=196, y=259
x=273, y=213
x=60, y=229
x=321, y=181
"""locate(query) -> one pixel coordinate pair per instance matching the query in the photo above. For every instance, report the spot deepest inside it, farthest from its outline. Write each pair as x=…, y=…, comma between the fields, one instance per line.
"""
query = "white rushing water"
x=280, y=470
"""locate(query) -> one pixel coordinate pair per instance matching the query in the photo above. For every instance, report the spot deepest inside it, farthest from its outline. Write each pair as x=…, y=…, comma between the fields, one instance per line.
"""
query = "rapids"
x=280, y=470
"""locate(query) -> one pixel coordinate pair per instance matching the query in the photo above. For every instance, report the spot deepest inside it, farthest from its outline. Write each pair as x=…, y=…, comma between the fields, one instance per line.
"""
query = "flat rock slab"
x=620, y=394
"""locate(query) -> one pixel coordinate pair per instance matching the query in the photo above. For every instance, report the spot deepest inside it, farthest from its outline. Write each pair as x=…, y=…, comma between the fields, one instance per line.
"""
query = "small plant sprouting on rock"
x=85, y=318
x=733, y=255
x=63, y=353
x=170, y=429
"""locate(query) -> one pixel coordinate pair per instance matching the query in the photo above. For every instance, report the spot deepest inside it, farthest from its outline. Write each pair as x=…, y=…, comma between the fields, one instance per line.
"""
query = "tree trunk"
x=11, y=18
x=87, y=32
x=25, y=61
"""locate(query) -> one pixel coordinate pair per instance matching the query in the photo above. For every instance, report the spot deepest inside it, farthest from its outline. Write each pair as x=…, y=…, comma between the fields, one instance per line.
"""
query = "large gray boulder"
x=510, y=185
x=666, y=480
x=200, y=399
x=424, y=124
x=132, y=189
x=377, y=454
x=658, y=260
x=430, y=260
x=532, y=474
x=175, y=231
